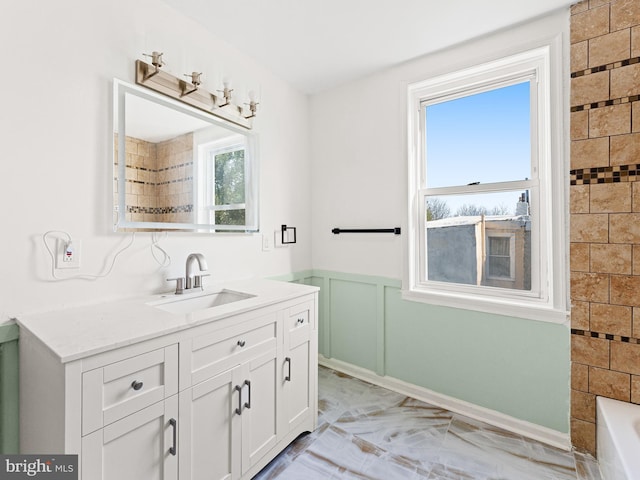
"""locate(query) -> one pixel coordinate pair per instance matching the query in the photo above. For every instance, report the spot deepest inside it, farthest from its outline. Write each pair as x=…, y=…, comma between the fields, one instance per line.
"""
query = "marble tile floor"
x=367, y=432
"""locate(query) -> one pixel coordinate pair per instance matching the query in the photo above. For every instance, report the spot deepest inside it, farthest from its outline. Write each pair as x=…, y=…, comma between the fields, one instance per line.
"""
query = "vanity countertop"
x=75, y=333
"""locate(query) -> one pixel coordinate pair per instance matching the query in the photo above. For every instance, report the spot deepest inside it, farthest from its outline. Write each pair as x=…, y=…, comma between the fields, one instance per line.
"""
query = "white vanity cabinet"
x=215, y=398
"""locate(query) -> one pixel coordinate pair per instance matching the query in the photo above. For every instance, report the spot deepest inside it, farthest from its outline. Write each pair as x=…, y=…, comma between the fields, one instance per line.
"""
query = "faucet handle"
x=179, y=284
x=197, y=280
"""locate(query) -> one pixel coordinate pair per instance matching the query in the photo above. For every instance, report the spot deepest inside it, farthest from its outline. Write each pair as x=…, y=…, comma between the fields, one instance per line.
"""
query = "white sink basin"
x=188, y=303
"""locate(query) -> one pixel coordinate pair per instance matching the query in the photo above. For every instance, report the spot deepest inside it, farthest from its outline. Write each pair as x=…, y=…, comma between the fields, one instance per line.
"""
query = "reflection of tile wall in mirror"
x=158, y=179
x=175, y=179
x=140, y=177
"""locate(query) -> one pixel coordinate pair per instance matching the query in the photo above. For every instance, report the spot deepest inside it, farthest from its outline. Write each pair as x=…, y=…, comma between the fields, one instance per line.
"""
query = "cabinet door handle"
x=174, y=450
x=136, y=385
x=238, y=389
x=301, y=320
x=288, y=377
x=248, y=384
x=241, y=343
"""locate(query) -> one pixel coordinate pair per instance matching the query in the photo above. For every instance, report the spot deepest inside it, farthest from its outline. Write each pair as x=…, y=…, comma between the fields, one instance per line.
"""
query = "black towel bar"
x=395, y=230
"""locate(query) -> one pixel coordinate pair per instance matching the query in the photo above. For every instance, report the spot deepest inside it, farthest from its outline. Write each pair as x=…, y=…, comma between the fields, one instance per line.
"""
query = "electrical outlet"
x=68, y=255
x=266, y=243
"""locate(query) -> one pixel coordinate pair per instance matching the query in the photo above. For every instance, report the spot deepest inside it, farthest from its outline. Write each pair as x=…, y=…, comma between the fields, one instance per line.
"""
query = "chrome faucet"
x=190, y=281
x=195, y=282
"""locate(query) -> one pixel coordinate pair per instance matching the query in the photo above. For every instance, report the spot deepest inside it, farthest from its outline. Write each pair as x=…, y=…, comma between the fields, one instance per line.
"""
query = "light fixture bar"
x=165, y=83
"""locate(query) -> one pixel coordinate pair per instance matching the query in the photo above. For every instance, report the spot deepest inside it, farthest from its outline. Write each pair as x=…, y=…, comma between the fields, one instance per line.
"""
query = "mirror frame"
x=120, y=223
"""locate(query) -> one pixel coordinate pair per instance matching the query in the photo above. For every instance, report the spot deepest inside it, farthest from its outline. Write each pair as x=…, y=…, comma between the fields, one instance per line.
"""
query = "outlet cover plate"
x=62, y=261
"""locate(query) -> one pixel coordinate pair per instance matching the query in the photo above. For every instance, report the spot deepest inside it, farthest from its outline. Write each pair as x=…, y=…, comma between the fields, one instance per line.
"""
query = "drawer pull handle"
x=238, y=389
x=301, y=320
x=288, y=377
x=136, y=385
x=248, y=384
x=174, y=450
x=241, y=343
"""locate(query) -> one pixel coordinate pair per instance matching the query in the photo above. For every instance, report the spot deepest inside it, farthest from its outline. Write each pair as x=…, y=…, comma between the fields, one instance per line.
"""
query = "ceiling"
x=318, y=44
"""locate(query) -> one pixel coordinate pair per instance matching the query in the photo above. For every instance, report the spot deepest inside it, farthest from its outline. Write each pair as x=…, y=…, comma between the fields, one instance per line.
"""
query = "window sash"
x=537, y=290
x=484, y=87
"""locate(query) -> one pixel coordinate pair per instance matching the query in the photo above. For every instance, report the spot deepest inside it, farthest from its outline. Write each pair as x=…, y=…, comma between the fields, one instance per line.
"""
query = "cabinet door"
x=296, y=388
x=259, y=415
x=210, y=428
x=298, y=380
x=140, y=446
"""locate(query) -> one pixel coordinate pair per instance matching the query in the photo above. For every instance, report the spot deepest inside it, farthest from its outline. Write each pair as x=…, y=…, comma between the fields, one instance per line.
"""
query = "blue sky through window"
x=480, y=138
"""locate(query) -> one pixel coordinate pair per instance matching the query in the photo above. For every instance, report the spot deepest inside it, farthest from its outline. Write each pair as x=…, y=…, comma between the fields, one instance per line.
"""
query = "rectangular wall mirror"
x=177, y=168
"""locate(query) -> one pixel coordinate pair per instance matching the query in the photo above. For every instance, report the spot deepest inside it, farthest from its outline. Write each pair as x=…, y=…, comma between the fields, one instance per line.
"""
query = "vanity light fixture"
x=226, y=93
x=220, y=105
x=195, y=81
x=156, y=61
x=253, y=105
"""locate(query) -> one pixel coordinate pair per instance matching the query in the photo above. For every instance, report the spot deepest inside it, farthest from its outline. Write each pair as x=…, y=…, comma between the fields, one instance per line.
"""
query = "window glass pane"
x=479, y=138
x=229, y=178
x=229, y=217
x=499, y=246
x=500, y=267
x=482, y=239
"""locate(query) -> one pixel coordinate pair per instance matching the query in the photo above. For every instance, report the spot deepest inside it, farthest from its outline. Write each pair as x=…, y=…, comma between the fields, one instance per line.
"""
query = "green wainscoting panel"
x=324, y=345
x=514, y=366
x=9, y=390
x=353, y=325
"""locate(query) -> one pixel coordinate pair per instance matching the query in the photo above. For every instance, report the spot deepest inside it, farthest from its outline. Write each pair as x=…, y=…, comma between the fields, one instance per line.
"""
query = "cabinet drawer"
x=299, y=319
x=216, y=352
x=114, y=391
x=299, y=324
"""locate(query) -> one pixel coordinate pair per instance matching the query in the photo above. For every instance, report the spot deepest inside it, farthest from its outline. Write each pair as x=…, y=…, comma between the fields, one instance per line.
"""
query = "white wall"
x=359, y=171
x=58, y=62
x=359, y=160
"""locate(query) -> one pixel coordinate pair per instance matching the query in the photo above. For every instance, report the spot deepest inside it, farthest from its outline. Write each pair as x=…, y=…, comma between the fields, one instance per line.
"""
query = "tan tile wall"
x=175, y=179
x=605, y=209
x=140, y=190
x=159, y=179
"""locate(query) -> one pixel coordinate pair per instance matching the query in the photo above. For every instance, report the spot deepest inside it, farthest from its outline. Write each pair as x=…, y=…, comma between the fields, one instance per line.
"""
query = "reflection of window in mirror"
x=221, y=181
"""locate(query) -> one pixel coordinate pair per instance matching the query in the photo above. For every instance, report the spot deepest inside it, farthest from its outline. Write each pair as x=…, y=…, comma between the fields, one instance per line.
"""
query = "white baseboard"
x=492, y=417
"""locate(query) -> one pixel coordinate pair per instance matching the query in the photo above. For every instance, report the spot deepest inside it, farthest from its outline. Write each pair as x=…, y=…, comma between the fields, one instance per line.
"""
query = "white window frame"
x=205, y=190
x=547, y=299
x=209, y=152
